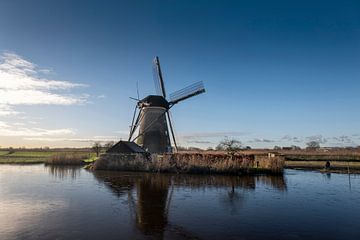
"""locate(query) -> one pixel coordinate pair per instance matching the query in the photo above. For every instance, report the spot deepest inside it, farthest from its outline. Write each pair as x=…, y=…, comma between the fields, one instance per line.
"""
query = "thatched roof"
x=126, y=147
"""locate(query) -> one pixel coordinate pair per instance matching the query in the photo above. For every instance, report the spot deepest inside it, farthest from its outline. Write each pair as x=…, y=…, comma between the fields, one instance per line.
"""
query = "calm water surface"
x=38, y=202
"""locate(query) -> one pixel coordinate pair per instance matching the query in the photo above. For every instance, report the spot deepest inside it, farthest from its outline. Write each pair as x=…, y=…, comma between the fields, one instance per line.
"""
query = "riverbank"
x=335, y=166
x=341, y=160
x=197, y=163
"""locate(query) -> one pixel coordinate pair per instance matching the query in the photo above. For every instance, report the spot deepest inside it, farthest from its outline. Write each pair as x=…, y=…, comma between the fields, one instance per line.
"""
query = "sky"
x=275, y=72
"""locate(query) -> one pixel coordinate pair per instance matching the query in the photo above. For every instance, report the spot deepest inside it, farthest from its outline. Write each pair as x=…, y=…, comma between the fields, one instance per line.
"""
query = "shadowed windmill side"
x=151, y=120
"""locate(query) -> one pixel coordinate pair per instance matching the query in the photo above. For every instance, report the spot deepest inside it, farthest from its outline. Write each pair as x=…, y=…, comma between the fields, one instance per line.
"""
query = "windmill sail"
x=158, y=79
x=187, y=92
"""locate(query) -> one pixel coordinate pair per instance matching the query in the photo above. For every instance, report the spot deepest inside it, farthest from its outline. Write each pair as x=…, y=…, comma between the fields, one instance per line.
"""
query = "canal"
x=46, y=202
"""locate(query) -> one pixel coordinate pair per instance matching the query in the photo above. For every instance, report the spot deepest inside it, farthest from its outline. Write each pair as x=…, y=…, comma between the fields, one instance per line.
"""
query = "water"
x=38, y=202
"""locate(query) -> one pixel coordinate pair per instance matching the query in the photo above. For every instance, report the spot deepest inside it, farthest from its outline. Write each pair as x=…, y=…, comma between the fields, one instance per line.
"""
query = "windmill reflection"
x=152, y=205
x=149, y=195
x=152, y=198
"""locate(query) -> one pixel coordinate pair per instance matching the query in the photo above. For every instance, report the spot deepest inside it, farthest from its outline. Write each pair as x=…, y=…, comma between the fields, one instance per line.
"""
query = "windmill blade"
x=171, y=129
x=135, y=125
x=137, y=89
x=132, y=122
x=187, y=92
x=158, y=78
x=136, y=99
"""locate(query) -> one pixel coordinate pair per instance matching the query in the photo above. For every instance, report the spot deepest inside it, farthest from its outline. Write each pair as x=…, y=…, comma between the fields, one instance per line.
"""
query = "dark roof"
x=156, y=101
x=126, y=147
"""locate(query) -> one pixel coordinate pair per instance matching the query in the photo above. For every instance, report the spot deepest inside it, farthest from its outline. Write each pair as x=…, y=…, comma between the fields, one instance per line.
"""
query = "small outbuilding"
x=126, y=147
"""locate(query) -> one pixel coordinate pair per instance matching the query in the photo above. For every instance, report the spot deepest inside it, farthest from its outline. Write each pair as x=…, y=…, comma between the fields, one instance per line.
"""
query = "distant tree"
x=209, y=149
x=194, y=149
x=313, y=145
x=96, y=147
x=277, y=148
x=180, y=148
x=11, y=150
x=247, y=148
x=109, y=145
x=294, y=147
x=229, y=145
x=219, y=147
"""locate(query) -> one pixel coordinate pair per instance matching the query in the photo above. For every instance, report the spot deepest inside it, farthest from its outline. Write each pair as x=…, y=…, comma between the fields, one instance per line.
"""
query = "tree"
x=294, y=147
x=96, y=147
x=313, y=145
x=219, y=147
x=11, y=150
x=277, y=148
x=229, y=145
x=108, y=145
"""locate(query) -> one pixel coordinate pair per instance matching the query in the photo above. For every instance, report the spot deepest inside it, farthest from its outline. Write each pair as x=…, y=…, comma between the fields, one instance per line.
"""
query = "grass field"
x=321, y=164
x=39, y=156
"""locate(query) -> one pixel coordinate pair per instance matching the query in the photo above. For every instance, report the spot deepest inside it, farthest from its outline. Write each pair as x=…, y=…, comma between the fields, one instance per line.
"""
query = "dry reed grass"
x=188, y=163
x=67, y=159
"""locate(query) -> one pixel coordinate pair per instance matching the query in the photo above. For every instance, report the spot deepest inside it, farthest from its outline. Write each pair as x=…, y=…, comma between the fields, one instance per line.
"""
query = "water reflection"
x=153, y=201
x=46, y=203
x=63, y=172
x=276, y=182
x=149, y=195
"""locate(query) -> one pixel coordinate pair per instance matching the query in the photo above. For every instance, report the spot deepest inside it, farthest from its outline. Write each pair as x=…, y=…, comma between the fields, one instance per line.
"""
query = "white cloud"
x=318, y=138
x=261, y=140
x=23, y=83
x=16, y=130
x=197, y=135
x=20, y=84
x=6, y=110
x=102, y=139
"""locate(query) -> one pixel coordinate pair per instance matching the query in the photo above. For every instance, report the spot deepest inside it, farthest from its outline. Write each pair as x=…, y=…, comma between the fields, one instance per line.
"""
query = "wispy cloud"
x=21, y=84
x=6, y=110
x=318, y=138
x=289, y=138
x=213, y=134
x=102, y=96
x=19, y=130
x=24, y=83
x=199, y=141
x=102, y=139
x=261, y=140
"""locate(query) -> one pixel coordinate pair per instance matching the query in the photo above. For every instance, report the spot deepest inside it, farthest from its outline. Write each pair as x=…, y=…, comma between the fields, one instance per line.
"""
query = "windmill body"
x=155, y=128
x=154, y=134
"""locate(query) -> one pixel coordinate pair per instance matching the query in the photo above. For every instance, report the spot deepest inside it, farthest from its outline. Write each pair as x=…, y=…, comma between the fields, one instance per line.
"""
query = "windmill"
x=153, y=119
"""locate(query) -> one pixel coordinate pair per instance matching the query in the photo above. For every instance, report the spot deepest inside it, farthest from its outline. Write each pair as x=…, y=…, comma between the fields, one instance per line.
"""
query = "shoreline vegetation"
x=340, y=159
x=191, y=162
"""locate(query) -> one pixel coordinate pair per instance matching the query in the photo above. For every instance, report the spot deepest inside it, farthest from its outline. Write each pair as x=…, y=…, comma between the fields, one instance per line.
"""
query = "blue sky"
x=276, y=72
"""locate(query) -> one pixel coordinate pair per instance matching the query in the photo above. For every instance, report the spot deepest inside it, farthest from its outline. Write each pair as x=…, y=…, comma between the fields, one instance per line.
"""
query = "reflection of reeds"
x=67, y=159
x=123, y=181
x=64, y=171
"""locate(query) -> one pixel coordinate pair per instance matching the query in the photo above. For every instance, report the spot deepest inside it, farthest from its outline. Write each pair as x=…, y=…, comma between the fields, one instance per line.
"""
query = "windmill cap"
x=156, y=101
